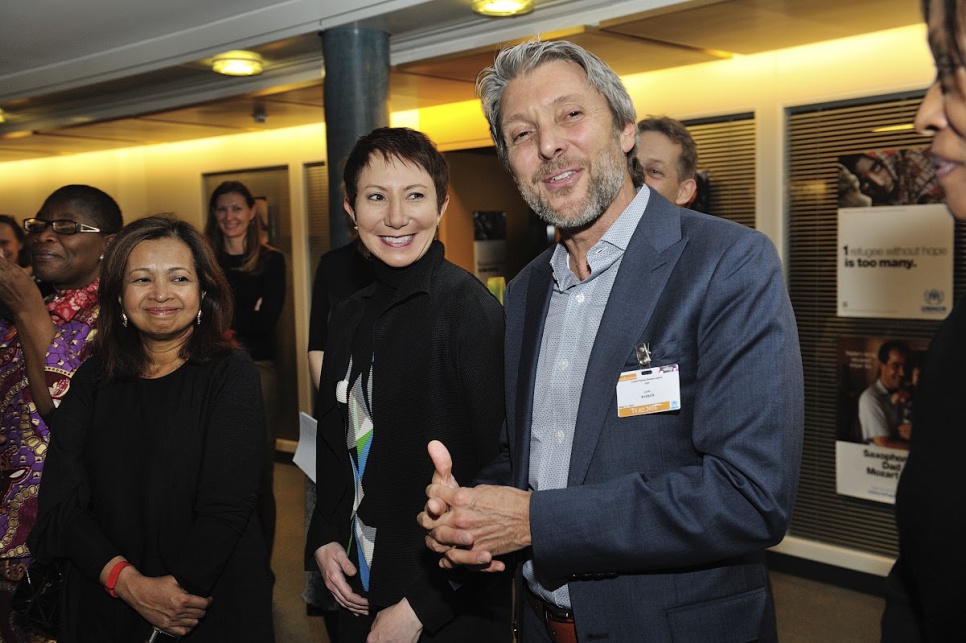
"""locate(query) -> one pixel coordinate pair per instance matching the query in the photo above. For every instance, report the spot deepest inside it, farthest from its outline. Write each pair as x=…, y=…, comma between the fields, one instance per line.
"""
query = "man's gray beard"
x=607, y=178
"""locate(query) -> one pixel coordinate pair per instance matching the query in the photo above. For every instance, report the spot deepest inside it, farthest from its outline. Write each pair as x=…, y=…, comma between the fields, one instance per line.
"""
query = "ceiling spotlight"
x=502, y=8
x=237, y=63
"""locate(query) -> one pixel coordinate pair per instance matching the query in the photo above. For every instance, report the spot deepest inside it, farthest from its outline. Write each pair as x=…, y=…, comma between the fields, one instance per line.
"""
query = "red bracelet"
x=113, y=576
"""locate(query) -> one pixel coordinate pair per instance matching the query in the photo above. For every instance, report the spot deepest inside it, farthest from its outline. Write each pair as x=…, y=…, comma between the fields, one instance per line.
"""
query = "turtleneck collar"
x=414, y=277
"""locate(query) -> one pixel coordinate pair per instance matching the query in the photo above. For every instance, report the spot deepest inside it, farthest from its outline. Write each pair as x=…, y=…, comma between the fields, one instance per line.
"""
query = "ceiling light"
x=502, y=8
x=3, y=117
x=237, y=63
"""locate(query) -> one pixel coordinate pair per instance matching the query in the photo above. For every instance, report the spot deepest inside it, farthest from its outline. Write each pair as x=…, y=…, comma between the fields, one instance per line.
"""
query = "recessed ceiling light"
x=502, y=8
x=237, y=63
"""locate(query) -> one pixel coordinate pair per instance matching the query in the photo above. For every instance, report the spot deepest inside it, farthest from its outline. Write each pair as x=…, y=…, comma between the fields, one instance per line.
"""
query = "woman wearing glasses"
x=40, y=348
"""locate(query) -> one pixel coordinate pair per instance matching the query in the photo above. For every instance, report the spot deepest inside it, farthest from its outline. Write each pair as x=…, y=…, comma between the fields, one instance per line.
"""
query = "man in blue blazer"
x=653, y=381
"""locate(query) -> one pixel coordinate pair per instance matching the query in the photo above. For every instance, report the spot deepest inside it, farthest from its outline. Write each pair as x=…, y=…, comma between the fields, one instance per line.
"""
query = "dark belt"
x=558, y=621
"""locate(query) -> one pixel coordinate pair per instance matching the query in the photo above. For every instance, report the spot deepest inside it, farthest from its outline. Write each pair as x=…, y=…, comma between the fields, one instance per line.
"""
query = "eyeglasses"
x=60, y=226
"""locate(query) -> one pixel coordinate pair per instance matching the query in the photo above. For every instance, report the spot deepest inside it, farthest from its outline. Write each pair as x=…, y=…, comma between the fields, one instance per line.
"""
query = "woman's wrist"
x=114, y=576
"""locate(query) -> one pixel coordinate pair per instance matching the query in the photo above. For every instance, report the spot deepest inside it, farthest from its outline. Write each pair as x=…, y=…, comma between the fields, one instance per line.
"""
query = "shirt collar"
x=67, y=303
x=616, y=238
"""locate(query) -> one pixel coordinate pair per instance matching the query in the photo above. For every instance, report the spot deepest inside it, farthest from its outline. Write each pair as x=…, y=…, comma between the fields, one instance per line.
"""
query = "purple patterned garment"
x=74, y=313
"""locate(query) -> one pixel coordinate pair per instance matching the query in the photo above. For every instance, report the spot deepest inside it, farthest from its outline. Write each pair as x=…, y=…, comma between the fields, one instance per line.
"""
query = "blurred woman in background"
x=13, y=242
x=256, y=275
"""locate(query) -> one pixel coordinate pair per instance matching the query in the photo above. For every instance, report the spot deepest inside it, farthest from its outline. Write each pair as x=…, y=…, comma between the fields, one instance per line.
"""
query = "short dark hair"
x=400, y=143
x=120, y=347
x=679, y=134
x=897, y=345
x=97, y=204
x=253, y=240
x=23, y=257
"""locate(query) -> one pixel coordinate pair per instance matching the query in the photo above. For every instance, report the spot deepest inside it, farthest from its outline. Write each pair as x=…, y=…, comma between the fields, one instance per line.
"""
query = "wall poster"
x=489, y=249
x=877, y=379
x=895, y=237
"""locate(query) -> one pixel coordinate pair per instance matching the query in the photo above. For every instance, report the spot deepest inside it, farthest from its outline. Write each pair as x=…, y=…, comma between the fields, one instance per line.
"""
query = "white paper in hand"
x=304, y=457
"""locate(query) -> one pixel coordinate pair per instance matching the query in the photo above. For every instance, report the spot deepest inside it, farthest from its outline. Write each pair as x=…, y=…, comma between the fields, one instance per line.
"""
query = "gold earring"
x=123, y=319
x=199, y=317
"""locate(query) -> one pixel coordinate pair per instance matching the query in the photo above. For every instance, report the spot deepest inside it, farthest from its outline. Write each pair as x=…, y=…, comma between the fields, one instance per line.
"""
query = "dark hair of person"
x=23, y=257
x=677, y=132
x=120, y=347
x=253, y=261
x=96, y=204
x=851, y=161
x=403, y=144
x=952, y=24
x=521, y=59
x=896, y=345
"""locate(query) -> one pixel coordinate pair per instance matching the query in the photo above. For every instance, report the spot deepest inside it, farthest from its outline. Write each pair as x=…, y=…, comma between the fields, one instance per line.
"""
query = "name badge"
x=651, y=390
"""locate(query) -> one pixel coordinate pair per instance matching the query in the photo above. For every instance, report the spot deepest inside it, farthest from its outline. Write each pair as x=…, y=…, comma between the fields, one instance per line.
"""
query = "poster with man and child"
x=876, y=413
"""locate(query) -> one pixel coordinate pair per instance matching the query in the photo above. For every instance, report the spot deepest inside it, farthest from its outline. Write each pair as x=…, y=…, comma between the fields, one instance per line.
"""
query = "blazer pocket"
x=733, y=619
x=663, y=354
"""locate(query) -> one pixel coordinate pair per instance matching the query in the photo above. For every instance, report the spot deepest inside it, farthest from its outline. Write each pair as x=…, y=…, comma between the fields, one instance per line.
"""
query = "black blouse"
x=259, y=299
x=164, y=472
x=437, y=346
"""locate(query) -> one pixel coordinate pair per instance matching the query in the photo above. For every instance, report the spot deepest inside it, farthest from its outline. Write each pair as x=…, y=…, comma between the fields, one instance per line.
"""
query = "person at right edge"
x=654, y=387
x=926, y=589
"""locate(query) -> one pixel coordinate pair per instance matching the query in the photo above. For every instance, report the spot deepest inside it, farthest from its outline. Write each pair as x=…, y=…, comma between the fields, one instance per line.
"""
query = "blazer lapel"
x=650, y=257
x=537, y=304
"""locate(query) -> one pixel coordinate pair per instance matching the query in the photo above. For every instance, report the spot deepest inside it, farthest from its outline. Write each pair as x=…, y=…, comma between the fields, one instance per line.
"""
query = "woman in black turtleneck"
x=415, y=357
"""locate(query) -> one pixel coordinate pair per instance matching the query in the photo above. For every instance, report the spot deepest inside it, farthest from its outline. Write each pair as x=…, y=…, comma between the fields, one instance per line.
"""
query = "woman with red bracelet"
x=152, y=478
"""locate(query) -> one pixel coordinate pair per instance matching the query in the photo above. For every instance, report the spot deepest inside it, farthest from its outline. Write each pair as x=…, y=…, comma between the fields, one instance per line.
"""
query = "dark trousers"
x=900, y=620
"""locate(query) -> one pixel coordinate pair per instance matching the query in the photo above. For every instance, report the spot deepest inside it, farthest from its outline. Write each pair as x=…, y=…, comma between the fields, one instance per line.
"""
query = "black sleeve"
x=66, y=527
x=230, y=474
x=478, y=337
x=270, y=299
x=319, y=317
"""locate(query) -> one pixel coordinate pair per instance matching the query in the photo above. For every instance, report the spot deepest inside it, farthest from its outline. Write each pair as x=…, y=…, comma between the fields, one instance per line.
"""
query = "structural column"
x=356, y=97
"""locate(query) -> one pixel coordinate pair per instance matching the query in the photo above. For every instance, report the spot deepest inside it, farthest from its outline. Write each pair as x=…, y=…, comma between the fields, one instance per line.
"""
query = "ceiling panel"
x=57, y=144
x=416, y=91
x=139, y=131
x=243, y=114
x=630, y=55
x=690, y=33
x=753, y=26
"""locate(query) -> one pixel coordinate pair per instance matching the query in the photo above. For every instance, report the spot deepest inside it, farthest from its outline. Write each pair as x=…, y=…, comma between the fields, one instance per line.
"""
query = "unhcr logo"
x=934, y=299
